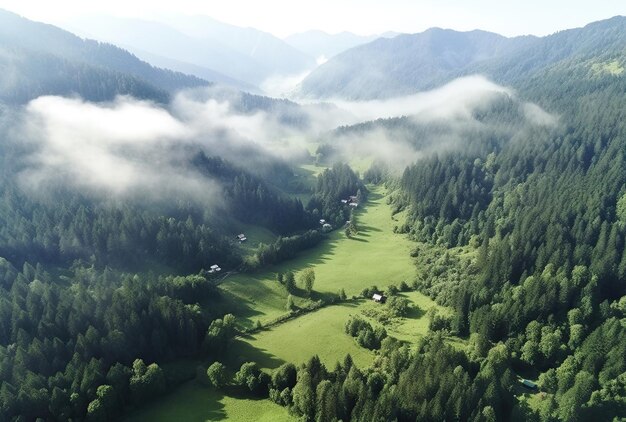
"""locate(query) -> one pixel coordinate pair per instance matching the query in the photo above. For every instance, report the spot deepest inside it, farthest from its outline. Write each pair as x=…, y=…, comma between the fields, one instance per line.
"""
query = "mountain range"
x=40, y=59
x=322, y=45
x=198, y=45
x=410, y=63
x=193, y=47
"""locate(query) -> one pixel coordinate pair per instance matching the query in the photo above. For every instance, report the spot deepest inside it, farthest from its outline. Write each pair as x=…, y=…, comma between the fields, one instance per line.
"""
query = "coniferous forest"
x=258, y=213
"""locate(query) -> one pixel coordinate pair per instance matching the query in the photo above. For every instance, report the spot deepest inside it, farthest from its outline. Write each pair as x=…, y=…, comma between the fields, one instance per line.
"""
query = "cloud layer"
x=135, y=148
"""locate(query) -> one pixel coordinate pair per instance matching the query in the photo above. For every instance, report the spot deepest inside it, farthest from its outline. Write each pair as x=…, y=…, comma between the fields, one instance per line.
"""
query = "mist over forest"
x=205, y=221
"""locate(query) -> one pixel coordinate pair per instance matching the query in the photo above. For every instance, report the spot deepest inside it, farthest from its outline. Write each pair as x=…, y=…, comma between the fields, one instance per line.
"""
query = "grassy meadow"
x=195, y=402
x=375, y=256
x=322, y=333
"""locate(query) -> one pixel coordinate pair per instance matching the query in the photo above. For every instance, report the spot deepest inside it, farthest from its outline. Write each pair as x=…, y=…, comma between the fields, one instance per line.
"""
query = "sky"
x=365, y=17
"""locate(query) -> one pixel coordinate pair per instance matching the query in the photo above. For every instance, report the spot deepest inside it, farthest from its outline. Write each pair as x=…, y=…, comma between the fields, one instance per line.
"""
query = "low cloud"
x=121, y=149
x=132, y=148
x=449, y=113
x=283, y=86
x=454, y=100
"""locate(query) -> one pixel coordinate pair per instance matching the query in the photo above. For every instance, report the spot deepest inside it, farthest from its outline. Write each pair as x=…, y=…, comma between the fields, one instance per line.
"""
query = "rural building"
x=353, y=204
x=327, y=227
x=215, y=269
x=242, y=237
x=322, y=221
x=344, y=201
x=379, y=298
x=528, y=384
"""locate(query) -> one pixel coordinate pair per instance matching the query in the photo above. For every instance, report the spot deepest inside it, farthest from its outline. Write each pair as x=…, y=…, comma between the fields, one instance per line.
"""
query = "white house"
x=379, y=298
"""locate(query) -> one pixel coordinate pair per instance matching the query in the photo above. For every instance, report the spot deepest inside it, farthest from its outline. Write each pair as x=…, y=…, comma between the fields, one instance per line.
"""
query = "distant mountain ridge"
x=320, y=44
x=405, y=63
x=242, y=54
x=410, y=63
x=40, y=59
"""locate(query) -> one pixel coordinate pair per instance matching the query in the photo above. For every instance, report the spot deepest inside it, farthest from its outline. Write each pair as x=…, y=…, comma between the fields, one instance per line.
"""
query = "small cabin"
x=344, y=201
x=528, y=384
x=379, y=298
x=353, y=204
x=322, y=221
x=215, y=269
x=242, y=237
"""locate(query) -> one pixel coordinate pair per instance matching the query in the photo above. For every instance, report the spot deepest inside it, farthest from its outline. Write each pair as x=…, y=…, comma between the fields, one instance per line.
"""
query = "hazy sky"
x=283, y=17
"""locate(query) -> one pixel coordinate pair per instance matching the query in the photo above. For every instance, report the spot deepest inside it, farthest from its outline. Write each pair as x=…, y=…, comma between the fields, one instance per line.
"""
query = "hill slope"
x=410, y=63
x=406, y=63
x=65, y=64
x=244, y=54
x=322, y=44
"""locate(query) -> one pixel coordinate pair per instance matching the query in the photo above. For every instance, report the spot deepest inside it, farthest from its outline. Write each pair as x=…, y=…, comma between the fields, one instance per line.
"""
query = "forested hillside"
x=188, y=42
x=99, y=71
x=409, y=63
x=547, y=212
x=475, y=272
x=94, y=290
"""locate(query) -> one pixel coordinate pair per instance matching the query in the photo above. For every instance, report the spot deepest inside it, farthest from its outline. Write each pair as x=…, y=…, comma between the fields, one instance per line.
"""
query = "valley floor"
x=375, y=256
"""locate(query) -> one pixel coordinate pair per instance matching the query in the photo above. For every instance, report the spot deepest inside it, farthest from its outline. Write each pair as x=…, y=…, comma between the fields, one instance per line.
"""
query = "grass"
x=416, y=323
x=320, y=332
x=375, y=256
x=255, y=235
x=194, y=402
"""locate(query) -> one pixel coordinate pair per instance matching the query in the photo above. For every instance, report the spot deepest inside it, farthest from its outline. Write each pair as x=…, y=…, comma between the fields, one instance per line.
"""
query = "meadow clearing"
x=375, y=256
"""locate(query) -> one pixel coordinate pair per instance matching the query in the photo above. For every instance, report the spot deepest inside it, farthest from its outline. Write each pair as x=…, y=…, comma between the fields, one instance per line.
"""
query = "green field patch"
x=322, y=332
x=254, y=298
x=415, y=324
x=194, y=402
x=317, y=333
x=255, y=235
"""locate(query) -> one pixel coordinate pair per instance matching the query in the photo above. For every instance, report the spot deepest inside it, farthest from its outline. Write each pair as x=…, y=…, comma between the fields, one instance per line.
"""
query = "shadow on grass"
x=214, y=409
x=243, y=308
x=189, y=402
x=415, y=312
x=242, y=351
x=326, y=297
x=365, y=229
x=240, y=393
x=374, y=196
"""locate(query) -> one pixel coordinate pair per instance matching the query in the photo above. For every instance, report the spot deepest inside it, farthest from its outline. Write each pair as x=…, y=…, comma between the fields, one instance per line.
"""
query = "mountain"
x=65, y=65
x=406, y=63
x=589, y=50
x=269, y=51
x=322, y=45
x=410, y=63
x=192, y=69
x=244, y=54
